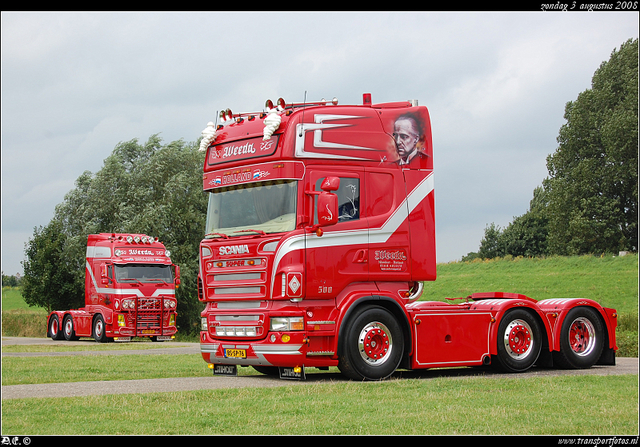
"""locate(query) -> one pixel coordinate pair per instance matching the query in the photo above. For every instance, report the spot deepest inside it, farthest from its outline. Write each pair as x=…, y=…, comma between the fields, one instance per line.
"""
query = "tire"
x=55, y=330
x=519, y=341
x=373, y=345
x=581, y=339
x=68, y=329
x=99, y=329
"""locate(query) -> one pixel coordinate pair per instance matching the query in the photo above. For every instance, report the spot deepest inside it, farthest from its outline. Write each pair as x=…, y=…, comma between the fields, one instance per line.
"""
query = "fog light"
x=286, y=338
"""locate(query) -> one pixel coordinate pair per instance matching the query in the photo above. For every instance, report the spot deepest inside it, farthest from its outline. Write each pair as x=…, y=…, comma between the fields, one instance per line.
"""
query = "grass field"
x=572, y=405
x=569, y=405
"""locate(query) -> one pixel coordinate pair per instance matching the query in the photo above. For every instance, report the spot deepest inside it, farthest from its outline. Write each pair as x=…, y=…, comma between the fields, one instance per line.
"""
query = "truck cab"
x=330, y=210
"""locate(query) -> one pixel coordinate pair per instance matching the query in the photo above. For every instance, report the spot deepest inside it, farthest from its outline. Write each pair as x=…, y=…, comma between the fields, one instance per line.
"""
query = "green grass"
x=571, y=405
x=12, y=299
x=47, y=369
x=611, y=281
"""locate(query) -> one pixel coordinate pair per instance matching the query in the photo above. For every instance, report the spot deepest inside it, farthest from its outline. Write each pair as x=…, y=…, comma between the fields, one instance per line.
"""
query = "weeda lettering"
x=232, y=150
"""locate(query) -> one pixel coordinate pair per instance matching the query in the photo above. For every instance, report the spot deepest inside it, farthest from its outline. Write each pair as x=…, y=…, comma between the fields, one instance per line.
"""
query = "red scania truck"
x=320, y=231
x=130, y=289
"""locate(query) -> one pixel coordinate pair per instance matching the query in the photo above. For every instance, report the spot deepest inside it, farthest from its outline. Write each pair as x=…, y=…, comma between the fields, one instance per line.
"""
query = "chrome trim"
x=414, y=296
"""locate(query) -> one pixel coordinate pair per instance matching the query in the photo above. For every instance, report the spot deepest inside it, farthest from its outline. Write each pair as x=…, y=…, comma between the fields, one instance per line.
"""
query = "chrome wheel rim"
x=375, y=343
x=518, y=339
x=582, y=336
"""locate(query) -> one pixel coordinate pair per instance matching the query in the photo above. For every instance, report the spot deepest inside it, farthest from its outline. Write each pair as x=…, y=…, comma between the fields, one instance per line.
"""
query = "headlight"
x=280, y=324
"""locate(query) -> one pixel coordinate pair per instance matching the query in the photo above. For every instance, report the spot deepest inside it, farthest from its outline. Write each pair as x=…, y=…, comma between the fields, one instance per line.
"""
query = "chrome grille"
x=237, y=278
x=149, y=315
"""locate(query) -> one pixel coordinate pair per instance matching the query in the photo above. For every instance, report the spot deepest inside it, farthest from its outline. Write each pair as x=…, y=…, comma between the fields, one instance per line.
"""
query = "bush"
x=24, y=323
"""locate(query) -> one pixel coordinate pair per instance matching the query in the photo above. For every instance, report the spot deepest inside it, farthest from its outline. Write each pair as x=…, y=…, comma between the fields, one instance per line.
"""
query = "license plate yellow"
x=235, y=353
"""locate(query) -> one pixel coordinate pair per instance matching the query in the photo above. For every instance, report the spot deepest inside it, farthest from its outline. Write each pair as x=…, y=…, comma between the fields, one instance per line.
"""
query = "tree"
x=492, y=245
x=592, y=188
x=527, y=234
x=48, y=278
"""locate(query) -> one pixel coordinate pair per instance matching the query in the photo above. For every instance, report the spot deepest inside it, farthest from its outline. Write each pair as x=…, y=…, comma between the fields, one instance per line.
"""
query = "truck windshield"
x=264, y=207
x=143, y=273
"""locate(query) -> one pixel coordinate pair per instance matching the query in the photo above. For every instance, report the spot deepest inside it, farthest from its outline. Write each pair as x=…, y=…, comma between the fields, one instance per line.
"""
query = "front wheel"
x=373, y=345
x=519, y=341
x=99, y=329
x=581, y=339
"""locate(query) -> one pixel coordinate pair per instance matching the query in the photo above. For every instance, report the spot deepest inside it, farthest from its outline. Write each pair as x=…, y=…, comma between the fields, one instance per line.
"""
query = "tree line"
x=588, y=204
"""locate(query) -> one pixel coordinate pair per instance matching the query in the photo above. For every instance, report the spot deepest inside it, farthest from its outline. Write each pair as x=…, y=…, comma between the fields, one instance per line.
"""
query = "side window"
x=348, y=199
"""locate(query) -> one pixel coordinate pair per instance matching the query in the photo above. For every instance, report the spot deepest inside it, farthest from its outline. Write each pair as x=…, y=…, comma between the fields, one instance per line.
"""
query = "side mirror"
x=330, y=184
x=103, y=274
x=177, y=274
x=327, y=209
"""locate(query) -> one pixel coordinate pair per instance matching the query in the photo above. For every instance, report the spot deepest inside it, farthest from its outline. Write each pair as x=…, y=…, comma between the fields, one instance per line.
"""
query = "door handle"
x=360, y=257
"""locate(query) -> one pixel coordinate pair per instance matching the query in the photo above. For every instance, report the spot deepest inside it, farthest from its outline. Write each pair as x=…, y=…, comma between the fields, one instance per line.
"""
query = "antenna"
x=303, y=107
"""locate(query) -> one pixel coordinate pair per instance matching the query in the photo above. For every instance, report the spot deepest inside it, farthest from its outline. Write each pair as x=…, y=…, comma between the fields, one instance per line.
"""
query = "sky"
x=75, y=84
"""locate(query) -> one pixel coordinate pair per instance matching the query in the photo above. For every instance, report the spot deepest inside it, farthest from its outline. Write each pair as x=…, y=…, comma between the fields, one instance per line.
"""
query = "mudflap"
x=225, y=370
x=296, y=373
x=608, y=357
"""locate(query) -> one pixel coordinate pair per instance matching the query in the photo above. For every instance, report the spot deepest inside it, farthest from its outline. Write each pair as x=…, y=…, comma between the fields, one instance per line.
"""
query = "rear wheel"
x=519, y=341
x=373, y=345
x=55, y=330
x=68, y=329
x=581, y=339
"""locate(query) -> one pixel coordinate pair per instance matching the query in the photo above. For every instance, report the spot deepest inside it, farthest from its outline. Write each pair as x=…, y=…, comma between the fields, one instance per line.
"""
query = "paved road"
x=623, y=366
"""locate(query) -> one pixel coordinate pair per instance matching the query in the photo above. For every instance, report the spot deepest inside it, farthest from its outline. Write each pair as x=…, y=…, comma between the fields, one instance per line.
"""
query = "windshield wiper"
x=128, y=280
x=157, y=279
x=251, y=231
x=222, y=235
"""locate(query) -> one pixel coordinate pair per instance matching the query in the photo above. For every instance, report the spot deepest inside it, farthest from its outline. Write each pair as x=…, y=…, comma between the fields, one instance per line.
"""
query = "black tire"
x=581, y=339
x=55, y=329
x=99, y=329
x=519, y=341
x=373, y=345
x=68, y=329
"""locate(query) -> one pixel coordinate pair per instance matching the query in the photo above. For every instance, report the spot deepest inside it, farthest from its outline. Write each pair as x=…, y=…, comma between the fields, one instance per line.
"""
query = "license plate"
x=235, y=353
